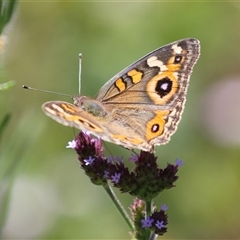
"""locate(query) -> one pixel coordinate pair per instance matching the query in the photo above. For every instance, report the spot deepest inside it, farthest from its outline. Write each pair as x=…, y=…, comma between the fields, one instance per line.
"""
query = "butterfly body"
x=142, y=105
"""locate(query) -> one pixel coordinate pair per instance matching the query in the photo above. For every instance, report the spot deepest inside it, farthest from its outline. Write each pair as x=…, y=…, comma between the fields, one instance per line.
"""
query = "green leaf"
x=7, y=85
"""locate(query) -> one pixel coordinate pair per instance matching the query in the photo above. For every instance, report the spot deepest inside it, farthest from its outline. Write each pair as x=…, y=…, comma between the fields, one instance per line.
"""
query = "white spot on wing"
x=177, y=49
x=86, y=124
x=59, y=109
x=49, y=110
x=154, y=62
x=164, y=86
x=56, y=109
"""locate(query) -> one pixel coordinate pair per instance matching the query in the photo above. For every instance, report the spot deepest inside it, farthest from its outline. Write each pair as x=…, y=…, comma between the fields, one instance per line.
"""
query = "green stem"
x=148, y=208
x=148, y=213
x=119, y=206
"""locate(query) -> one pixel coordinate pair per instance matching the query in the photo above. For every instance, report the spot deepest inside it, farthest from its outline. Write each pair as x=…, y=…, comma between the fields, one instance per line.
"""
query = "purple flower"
x=116, y=177
x=89, y=161
x=164, y=207
x=106, y=174
x=134, y=158
x=98, y=144
x=87, y=145
x=147, y=222
x=71, y=144
x=111, y=159
x=119, y=159
x=179, y=162
x=160, y=224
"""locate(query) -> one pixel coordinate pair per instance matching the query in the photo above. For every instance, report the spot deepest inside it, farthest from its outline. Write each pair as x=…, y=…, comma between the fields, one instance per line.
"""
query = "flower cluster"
x=156, y=222
x=90, y=156
x=146, y=180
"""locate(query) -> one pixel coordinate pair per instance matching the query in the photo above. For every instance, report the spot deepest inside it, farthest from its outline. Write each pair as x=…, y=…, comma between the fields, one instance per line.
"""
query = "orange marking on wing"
x=160, y=121
x=135, y=75
x=120, y=84
x=173, y=67
x=69, y=108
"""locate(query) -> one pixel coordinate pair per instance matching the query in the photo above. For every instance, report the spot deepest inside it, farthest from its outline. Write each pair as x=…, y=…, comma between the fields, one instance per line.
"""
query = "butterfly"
x=141, y=106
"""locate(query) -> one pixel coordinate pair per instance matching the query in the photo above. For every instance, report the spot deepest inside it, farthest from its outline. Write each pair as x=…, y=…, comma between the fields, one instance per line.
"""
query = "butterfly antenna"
x=79, y=73
x=46, y=91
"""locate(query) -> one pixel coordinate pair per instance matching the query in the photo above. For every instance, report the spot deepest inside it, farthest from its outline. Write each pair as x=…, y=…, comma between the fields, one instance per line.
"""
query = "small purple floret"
x=106, y=174
x=89, y=161
x=134, y=158
x=179, y=162
x=160, y=224
x=71, y=144
x=164, y=207
x=116, y=177
x=147, y=222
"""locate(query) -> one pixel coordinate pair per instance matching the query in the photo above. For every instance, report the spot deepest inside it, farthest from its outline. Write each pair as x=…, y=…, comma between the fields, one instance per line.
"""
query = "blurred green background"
x=51, y=197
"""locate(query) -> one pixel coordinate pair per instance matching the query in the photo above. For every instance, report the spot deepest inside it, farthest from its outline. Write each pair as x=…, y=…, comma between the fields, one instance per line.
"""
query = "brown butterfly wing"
x=148, y=97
